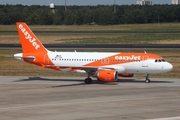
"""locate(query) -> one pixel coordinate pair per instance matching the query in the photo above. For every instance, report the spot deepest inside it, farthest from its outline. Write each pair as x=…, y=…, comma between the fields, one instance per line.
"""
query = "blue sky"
x=78, y=2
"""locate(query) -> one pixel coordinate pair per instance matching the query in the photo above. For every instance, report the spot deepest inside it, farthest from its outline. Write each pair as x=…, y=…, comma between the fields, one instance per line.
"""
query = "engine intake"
x=107, y=75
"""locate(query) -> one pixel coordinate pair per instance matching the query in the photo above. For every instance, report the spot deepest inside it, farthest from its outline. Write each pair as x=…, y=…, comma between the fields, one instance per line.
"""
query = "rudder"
x=29, y=41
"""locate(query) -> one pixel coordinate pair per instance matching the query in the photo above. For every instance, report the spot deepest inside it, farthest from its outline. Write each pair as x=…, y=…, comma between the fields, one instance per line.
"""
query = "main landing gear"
x=147, y=79
x=88, y=80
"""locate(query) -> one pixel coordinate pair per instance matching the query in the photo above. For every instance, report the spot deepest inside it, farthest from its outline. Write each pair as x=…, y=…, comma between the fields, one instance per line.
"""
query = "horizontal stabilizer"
x=20, y=56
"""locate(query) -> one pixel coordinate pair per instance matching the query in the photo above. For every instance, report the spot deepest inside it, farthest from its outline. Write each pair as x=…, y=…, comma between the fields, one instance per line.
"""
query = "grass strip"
x=98, y=38
x=155, y=27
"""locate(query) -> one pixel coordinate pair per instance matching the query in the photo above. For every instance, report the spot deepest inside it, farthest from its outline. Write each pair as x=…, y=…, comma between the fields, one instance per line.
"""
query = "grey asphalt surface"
x=95, y=32
x=64, y=98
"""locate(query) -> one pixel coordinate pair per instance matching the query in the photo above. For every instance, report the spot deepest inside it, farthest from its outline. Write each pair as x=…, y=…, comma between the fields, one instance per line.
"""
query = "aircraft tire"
x=147, y=81
x=88, y=80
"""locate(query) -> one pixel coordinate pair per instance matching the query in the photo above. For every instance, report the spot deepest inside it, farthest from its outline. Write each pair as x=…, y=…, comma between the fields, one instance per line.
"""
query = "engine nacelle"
x=126, y=75
x=107, y=75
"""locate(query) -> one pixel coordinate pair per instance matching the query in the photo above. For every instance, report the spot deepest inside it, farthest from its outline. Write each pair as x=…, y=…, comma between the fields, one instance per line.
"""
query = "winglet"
x=29, y=41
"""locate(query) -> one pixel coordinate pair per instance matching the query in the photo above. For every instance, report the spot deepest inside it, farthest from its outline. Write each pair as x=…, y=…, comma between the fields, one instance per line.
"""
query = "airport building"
x=143, y=2
x=175, y=2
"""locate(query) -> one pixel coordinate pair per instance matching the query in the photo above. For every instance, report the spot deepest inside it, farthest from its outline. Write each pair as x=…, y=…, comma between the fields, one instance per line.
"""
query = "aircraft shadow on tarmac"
x=94, y=81
x=63, y=79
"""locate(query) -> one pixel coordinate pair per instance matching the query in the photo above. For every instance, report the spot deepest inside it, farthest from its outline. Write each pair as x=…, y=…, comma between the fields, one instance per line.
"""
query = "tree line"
x=78, y=15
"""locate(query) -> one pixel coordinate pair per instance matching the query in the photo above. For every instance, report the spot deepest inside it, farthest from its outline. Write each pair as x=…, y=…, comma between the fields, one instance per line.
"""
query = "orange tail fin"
x=29, y=41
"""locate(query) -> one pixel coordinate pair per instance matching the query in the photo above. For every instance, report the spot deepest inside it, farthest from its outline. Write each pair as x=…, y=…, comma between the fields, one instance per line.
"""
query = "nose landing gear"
x=147, y=79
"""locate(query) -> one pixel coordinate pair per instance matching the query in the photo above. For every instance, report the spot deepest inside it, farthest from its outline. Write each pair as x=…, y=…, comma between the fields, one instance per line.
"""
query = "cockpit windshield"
x=160, y=60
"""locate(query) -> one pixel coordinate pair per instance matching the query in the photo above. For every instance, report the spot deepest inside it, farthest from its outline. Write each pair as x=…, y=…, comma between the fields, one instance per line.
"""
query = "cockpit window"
x=163, y=60
x=160, y=60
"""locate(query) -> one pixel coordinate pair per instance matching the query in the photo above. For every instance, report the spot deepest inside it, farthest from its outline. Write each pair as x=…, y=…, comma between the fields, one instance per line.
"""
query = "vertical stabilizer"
x=29, y=42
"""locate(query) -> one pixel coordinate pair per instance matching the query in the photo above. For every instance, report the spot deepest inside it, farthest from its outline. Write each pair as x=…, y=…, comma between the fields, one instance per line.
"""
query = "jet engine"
x=107, y=75
x=126, y=75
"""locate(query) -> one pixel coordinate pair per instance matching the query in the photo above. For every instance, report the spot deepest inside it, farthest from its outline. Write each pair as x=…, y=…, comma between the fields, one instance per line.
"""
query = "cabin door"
x=145, y=61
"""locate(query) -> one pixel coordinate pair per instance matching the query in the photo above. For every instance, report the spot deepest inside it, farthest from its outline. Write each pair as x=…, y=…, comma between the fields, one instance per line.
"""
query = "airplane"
x=105, y=66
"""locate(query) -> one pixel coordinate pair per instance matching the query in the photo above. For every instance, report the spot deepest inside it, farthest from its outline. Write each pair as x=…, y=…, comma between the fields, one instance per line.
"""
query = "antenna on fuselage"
x=145, y=51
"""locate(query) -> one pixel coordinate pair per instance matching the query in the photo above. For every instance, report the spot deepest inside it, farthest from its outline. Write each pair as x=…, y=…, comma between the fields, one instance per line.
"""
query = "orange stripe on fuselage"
x=123, y=58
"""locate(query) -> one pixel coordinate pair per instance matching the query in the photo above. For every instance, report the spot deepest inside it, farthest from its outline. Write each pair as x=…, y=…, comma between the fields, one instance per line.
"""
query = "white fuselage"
x=81, y=59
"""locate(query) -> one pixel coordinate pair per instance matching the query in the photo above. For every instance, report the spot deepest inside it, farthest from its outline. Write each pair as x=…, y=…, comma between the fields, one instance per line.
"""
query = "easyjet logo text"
x=29, y=37
x=132, y=57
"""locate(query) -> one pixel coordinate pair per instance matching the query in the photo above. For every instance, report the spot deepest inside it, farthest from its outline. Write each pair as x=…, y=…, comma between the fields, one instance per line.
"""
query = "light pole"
x=65, y=6
x=114, y=6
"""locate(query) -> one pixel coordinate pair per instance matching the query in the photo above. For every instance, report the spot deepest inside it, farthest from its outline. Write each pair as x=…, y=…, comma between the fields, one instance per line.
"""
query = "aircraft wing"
x=92, y=69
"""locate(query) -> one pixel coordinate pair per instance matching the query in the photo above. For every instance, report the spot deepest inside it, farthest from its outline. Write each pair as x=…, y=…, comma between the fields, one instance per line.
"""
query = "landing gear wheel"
x=147, y=78
x=147, y=81
x=88, y=80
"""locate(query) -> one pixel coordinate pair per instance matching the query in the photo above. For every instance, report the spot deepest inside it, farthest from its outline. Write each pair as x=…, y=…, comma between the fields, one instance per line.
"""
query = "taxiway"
x=53, y=98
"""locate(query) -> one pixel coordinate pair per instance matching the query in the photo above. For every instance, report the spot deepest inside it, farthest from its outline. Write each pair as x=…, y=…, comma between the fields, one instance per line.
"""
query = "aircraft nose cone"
x=168, y=67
